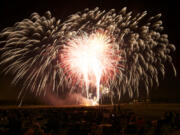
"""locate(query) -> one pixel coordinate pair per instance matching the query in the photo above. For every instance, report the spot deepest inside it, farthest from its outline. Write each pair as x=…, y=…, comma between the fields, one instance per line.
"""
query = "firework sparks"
x=92, y=48
x=91, y=58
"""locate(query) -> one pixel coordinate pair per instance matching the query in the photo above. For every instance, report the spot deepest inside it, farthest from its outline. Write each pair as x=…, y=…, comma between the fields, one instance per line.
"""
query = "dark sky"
x=13, y=11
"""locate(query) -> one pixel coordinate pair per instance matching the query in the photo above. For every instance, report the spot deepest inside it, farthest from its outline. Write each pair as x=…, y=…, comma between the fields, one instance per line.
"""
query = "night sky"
x=13, y=11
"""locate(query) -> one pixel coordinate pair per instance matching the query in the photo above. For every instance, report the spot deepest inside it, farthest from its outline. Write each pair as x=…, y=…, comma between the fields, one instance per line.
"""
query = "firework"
x=89, y=50
x=93, y=58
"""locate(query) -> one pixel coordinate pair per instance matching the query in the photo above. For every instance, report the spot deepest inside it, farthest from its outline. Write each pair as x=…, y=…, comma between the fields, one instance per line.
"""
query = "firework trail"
x=42, y=52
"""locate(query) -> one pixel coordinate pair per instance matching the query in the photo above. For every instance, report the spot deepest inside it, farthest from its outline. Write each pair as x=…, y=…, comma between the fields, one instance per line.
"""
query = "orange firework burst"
x=90, y=60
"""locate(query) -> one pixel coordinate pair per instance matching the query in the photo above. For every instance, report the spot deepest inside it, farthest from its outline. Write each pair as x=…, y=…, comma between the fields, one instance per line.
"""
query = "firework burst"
x=91, y=60
x=89, y=50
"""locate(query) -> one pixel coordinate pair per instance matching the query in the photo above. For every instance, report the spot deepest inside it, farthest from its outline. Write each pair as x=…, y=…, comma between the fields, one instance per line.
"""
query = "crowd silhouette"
x=84, y=121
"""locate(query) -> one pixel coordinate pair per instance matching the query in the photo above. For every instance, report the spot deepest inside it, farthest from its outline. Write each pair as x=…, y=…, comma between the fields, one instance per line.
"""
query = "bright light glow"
x=91, y=59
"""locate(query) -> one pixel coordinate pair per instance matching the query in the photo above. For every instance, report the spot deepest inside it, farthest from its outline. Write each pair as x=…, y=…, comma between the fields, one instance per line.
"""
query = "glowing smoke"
x=31, y=50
